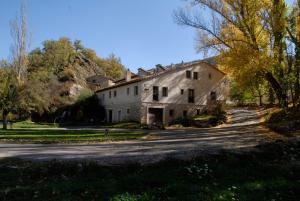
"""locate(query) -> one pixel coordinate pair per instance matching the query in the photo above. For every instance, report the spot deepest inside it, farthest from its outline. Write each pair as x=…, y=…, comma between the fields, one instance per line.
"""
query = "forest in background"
x=48, y=78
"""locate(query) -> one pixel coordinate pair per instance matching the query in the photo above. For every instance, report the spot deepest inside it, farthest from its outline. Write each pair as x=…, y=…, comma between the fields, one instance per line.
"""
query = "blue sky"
x=142, y=33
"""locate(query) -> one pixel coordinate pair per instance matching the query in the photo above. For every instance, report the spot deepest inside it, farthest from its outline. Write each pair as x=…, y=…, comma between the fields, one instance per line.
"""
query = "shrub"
x=184, y=121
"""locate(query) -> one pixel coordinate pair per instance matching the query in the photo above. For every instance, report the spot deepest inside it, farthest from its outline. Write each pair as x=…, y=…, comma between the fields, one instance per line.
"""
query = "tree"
x=248, y=35
x=8, y=94
x=19, y=47
x=293, y=30
x=13, y=76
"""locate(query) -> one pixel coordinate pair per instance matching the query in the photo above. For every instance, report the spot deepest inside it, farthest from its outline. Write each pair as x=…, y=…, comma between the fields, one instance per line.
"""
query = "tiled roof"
x=153, y=72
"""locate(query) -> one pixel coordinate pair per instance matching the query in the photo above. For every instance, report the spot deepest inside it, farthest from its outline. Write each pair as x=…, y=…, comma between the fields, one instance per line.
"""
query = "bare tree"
x=18, y=30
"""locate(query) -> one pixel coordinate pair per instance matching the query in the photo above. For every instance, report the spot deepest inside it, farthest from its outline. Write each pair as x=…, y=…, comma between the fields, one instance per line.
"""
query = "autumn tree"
x=293, y=30
x=248, y=35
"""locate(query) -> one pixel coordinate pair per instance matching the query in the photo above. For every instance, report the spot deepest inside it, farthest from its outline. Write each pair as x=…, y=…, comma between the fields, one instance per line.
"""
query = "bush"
x=184, y=121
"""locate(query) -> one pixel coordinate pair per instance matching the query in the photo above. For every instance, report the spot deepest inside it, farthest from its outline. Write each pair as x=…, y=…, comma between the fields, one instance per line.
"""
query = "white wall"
x=122, y=102
x=175, y=81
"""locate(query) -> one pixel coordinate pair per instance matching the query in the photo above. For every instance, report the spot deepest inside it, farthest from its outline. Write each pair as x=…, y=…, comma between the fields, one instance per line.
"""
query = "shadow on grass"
x=48, y=136
x=266, y=175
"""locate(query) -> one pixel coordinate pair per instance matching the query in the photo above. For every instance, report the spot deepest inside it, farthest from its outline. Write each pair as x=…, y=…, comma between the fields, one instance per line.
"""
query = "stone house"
x=164, y=93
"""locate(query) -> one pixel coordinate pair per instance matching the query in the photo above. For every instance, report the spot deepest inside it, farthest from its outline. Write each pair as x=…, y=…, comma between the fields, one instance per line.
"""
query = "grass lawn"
x=205, y=117
x=268, y=176
x=54, y=136
x=125, y=125
x=30, y=124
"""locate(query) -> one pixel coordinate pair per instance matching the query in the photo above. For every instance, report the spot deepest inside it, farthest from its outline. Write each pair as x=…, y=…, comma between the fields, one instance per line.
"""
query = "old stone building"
x=164, y=93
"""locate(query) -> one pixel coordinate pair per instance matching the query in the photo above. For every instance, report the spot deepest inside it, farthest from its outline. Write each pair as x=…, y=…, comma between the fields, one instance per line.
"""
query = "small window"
x=155, y=93
x=136, y=90
x=182, y=91
x=119, y=115
x=184, y=113
x=191, y=96
x=128, y=91
x=115, y=93
x=109, y=94
x=171, y=113
x=128, y=111
x=213, y=96
x=103, y=96
x=165, y=91
x=195, y=75
x=94, y=81
x=198, y=112
x=188, y=74
x=209, y=76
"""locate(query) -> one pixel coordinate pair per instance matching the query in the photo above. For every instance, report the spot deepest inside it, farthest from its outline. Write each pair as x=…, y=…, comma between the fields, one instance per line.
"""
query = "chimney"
x=127, y=75
x=159, y=68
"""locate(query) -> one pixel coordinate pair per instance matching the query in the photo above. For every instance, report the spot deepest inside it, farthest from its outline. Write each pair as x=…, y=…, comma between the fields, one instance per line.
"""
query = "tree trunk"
x=5, y=119
x=277, y=89
x=297, y=85
x=260, y=100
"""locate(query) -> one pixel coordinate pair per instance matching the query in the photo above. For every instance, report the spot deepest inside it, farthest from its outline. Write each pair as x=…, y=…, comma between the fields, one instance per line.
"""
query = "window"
x=115, y=93
x=165, y=91
x=209, y=76
x=184, y=113
x=128, y=91
x=198, y=112
x=188, y=74
x=155, y=93
x=195, y=75
x=213, y=96
x=94, y=81
x=119, y=115
x=136, y=90
x=171, y=113
x=181, y=91
x=109, y=94
x=128, y=111
x=103, y=96
x=191, y=96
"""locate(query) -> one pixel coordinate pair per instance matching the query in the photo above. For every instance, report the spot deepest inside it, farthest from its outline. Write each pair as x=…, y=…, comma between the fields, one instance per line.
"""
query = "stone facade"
x=165, y=95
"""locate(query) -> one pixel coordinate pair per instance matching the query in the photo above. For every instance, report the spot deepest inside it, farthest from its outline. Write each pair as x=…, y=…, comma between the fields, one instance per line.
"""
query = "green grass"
x=53, y=136
x=229, y=177
x=30, y=124
x=205, y=117
x=125, y=125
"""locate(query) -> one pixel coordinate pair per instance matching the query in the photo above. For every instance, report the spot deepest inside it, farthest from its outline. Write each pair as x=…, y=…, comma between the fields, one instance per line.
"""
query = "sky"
x=141, y=32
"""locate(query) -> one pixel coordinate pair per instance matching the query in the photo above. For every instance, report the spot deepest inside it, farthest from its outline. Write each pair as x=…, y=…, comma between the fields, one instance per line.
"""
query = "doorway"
x=155, y=116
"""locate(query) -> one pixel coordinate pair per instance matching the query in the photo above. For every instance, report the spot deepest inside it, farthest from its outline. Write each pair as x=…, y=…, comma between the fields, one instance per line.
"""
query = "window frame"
x=213, y=95
x=136, y=90
x=184, y=113
x=155, y=93
x=165, y=91
x=191, y=95
x=195, y=75
x=188, y=74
